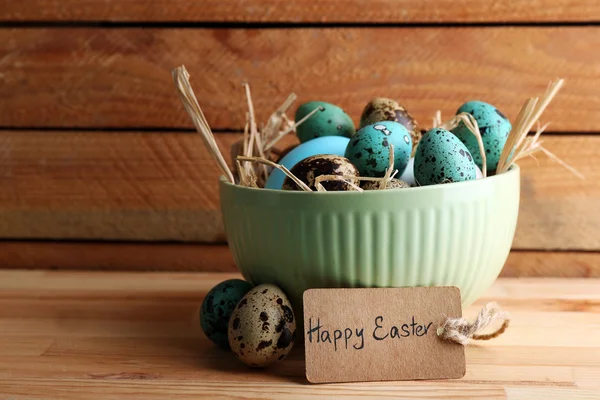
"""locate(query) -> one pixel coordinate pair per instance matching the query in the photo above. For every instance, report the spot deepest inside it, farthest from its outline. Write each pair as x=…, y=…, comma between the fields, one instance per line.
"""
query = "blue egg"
x=335, y=145
x=494, y=128
x=369, y=148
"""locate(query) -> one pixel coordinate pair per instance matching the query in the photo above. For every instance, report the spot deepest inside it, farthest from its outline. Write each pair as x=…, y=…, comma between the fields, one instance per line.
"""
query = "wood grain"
x=295, y=11
x=119, y=256
x=568, y=264
x=132, y=186
x=126, y=335
x=217, y=258
x=94, y=77
x=163, y=187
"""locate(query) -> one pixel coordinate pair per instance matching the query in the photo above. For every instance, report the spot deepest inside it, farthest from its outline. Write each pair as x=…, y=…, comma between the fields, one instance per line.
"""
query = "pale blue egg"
x=335, y=145
x=408, y=175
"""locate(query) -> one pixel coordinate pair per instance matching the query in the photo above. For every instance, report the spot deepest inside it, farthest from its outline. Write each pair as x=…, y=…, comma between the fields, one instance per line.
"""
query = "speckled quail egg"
x=393, y=184
x=323, y=145
x=382, y=109
x=262, y=327
x=310, y=168
x=494, y=128
x=369, y=148
x=442, y=158
x=218, y=306
x=330, y=120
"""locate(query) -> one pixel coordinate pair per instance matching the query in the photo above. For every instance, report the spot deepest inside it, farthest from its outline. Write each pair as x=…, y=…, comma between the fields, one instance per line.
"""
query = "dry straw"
x=383, y=181
x=252, y=155
x=187, y=96
x=255, y=146
x=519, y=144
x=471, y=124
x=283, y=169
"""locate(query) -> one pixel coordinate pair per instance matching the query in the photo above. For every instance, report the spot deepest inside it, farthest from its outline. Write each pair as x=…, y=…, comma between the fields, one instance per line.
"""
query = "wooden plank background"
x=97, y=77
x=163, y=186
x=295, y=11
x=95, y=146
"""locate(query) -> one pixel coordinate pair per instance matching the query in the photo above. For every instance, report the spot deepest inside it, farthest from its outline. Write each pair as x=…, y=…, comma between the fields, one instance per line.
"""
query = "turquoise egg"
x=330, y=120
x=335, y=145
x=369, y=148
x=442, y=158
x=217, y=307
x=494, y=128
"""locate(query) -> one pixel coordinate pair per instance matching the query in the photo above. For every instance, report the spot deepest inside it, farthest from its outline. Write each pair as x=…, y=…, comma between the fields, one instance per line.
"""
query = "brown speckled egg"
x=262, y=327
x=312, y=167
x=382, y=109
x=393, y=184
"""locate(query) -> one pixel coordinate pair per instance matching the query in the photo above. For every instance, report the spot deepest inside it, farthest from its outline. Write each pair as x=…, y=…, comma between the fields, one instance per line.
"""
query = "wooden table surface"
x=110, y=335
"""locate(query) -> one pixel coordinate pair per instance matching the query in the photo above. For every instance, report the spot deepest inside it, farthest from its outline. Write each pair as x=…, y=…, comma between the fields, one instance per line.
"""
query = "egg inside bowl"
x=456, y=234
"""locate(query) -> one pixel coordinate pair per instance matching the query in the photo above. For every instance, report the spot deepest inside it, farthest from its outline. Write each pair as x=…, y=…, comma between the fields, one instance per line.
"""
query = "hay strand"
x=190, y=103
x=276, y=119
x=527, y=118
x=255, y=139
x=343, y=178
x=290, y=129
x=389, y=172
x=283, y=169
x=471, y=124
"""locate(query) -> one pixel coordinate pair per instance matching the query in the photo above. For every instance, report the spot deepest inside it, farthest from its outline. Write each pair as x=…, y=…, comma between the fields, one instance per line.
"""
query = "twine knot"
x=460, y=330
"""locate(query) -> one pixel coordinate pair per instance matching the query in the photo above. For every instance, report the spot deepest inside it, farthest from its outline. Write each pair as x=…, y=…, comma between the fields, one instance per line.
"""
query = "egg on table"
x=335, y=145
x=369, y=148
x=310, y=168
x=262, y=327
x=442, y=158
x=217, y=307
x=494, y=128
x=330, y=120
x=383, y=109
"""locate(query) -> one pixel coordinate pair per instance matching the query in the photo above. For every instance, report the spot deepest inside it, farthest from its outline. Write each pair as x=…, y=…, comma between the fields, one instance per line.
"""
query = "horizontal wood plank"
x=117, y=186
x=217, y=258
x=116, y=256
x=126, y=335
x=295, y=11
x=163, y=187
x=568, y=264
x=94, y=77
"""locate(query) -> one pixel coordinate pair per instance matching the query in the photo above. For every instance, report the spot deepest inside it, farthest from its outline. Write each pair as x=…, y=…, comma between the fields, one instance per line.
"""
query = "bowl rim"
x=514, y=170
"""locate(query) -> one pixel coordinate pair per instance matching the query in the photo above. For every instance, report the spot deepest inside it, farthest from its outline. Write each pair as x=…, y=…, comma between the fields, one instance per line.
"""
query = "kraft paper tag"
x=354, y=335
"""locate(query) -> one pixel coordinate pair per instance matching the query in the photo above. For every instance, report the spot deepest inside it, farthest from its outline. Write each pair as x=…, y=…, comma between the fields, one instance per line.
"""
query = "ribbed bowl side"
x=452, y=235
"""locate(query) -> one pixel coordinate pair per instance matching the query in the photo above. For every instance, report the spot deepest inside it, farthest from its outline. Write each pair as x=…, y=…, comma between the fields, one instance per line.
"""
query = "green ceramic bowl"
x=456, y=234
